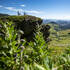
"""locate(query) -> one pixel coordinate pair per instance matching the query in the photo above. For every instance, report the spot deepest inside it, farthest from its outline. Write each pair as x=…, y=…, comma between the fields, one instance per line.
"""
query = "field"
x=60, y=40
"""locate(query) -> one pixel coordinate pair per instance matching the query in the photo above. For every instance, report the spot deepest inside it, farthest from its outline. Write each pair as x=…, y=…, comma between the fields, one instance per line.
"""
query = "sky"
x=46, y=9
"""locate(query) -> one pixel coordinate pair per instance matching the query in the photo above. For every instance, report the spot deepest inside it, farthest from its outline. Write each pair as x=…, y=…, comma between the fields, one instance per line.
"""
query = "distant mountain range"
x=63, y=24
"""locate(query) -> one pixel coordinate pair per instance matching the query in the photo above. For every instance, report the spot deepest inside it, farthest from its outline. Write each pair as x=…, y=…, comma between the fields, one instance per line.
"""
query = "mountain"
x=63, y=24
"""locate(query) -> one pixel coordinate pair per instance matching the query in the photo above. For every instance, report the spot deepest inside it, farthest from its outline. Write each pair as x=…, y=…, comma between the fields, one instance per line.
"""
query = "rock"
x=45, y=31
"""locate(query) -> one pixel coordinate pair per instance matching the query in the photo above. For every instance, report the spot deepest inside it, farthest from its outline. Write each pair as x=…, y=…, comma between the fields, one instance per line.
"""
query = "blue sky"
x=50, y=9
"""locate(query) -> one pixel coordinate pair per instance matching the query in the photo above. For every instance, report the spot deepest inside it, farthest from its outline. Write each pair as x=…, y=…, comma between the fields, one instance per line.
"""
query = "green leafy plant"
x=64, y=60
x=36, y=54
x=10, y=49
x=17, y=54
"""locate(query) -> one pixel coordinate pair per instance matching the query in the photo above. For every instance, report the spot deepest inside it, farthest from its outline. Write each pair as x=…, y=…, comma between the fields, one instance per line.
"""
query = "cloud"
x=1, y=6
x=44, y=17
x=34, y=12
x=9, y=8
x=13, y=9
x=22, y=5
x=21, y=10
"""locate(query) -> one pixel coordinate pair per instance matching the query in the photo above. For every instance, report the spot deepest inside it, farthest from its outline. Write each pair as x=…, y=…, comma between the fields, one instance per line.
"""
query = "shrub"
x=64, y=60
x=15, y=54
x=9, y=51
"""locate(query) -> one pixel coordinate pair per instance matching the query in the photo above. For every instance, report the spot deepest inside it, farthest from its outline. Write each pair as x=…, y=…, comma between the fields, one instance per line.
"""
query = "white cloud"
x=21, y=10
x=13, y=9
x=34, y=12
x=1, y=6
x=57, y=17
x=9, y=8
x=22, y=5
x=44, y=17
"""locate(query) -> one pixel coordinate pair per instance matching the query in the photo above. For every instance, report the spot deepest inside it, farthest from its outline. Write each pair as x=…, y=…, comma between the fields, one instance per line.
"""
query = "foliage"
x=16, y=54
x=9, y=48
x=36, y=52
x=59, y=47
x=64, y=62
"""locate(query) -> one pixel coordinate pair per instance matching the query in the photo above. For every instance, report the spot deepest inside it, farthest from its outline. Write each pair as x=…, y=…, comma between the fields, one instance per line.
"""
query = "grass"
x=60, y=40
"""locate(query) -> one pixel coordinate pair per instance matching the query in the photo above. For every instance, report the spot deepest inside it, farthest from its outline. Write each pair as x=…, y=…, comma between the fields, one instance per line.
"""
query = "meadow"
x=60, y=40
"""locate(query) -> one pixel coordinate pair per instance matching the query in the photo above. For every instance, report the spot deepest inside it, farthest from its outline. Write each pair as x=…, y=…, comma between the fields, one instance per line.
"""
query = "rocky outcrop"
x=28, y=25
x=45, y=30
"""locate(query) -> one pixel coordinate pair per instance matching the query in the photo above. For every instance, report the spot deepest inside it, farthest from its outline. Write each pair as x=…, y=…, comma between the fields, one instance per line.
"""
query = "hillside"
x=2, y=15
x=60, y=39
x=63, y=24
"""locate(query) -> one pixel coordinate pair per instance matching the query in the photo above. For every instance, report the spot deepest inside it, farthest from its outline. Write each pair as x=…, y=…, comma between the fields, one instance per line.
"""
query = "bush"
x=17, y=54
x=64, y=60
x=10, y=48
